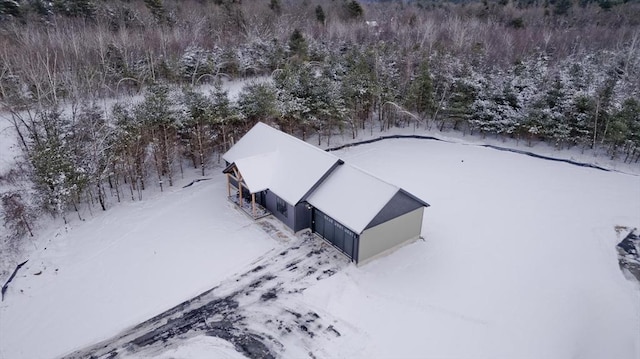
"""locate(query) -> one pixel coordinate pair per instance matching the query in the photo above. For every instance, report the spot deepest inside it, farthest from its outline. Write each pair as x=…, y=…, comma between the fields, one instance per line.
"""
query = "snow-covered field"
x=125, y=266
x=518, y=261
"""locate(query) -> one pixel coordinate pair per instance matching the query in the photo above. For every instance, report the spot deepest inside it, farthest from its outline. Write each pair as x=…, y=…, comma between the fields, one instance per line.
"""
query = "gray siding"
x=390, y=234
x=303, y=217
x=289, y=220
x=398, y=205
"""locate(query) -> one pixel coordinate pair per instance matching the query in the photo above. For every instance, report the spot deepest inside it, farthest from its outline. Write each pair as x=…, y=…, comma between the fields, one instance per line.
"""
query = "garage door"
x=334, y=232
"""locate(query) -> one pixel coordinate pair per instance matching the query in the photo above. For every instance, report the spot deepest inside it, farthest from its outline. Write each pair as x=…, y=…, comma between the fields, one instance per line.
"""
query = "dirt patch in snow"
x=629, y=253
x=252, y=310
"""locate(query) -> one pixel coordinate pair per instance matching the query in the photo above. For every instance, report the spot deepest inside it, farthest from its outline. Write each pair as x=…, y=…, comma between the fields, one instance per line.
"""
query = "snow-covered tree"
x=420, y=97
x=57, y=178
x=257, y=102
x=130, y=151
x=161, y=125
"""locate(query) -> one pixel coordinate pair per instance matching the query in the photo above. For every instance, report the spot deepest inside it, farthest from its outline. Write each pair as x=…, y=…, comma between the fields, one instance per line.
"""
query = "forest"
x=563, y=72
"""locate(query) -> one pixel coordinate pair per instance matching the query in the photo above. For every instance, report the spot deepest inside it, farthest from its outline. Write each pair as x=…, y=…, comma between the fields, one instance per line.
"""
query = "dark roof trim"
x=415, y=198
x=229, y=168
x=339, y=162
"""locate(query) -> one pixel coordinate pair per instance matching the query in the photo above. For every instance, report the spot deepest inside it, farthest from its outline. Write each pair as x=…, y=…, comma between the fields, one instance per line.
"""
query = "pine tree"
x=562, y=7
x=157, y=9
x=75, y=8
x=9, y=8
x=420, y=94
x=297, y=45
x=320, y=14
x=57, y=179
x=257, y=102
x=275, y=6
x=130, y=149
x=161, y=126
x=354, y=9
x=197, y=129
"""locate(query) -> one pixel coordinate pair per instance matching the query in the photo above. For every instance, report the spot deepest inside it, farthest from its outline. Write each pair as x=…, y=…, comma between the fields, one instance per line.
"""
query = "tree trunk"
x=101, y=197
x=167, y=156
x=595, y=125
x=200, y=149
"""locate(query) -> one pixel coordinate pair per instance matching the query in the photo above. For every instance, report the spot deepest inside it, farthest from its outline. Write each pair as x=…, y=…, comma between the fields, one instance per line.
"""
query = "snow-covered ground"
x=8, y=150
x=124, y=266
x=518, y=261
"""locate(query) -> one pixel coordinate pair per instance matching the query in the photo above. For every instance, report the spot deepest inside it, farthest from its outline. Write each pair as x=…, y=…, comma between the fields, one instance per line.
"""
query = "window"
x=281, y=206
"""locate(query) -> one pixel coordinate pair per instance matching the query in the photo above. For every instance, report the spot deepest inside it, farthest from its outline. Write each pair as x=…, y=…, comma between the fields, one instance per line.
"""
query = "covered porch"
x=239, y=193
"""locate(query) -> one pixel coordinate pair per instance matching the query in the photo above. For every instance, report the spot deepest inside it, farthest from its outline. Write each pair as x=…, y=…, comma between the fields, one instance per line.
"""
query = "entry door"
x=340, y=236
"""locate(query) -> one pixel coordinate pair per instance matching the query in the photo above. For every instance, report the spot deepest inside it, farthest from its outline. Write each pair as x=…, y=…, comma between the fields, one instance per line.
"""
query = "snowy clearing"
x=519, y=260
x=124, y=266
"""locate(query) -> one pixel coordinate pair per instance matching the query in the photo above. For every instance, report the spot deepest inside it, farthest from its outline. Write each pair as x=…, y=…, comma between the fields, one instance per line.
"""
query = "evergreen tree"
x=320, y=14
x=562, y=7
x=157, y=9
x=197, y=129
x=420, y=93
x=130, y=149
x=9, y=8
x=225, y=118
x=298, y=45
x=359, y=86
x=161, y=126
x=275, y=6
x=625, y=129
x=41, y=7
x=75, y=8
x=354, y=9
x=57, y=179
x=257, y=102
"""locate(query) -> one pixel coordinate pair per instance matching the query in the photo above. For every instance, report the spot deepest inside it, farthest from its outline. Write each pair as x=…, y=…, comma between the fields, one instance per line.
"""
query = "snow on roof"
x=290, y=171
x=352, y=196
x=257, y=170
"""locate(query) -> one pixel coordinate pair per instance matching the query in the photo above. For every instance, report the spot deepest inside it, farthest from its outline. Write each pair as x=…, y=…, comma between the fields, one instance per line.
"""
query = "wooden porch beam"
x=253, y=204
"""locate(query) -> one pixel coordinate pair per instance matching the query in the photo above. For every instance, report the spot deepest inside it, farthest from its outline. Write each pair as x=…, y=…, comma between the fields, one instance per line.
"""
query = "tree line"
x=564, y=73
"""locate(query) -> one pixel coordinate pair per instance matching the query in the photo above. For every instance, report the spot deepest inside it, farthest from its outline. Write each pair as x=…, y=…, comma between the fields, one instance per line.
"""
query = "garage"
x=362, y=215
x=335, y=233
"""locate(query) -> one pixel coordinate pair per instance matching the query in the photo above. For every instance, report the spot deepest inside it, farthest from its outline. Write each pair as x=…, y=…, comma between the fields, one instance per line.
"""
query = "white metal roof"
x=289, y=167
x=352, y=196
x=257, y=170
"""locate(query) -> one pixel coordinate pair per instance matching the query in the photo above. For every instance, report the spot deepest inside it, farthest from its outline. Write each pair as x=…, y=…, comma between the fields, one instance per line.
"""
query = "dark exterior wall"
x=271, y=205
x=303, y=217
x=245, y=191
x=336, y=233
x=400, y=204
x=233, y=182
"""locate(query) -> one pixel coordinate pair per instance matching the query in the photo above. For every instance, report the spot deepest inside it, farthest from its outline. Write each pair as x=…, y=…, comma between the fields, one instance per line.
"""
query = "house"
x=271, y=172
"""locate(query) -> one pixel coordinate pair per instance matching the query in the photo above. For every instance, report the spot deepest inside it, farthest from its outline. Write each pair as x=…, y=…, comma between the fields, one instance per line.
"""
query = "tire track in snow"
x=257, y=311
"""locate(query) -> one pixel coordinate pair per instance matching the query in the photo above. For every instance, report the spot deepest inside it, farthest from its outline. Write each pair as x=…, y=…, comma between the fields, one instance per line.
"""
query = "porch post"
x=240, y=194
x=228, y=185
x=253, y=204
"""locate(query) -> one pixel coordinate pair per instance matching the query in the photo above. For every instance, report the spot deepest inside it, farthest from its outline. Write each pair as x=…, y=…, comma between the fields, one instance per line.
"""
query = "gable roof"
x=287, y=166
x=359, y=200
x=297, y=171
